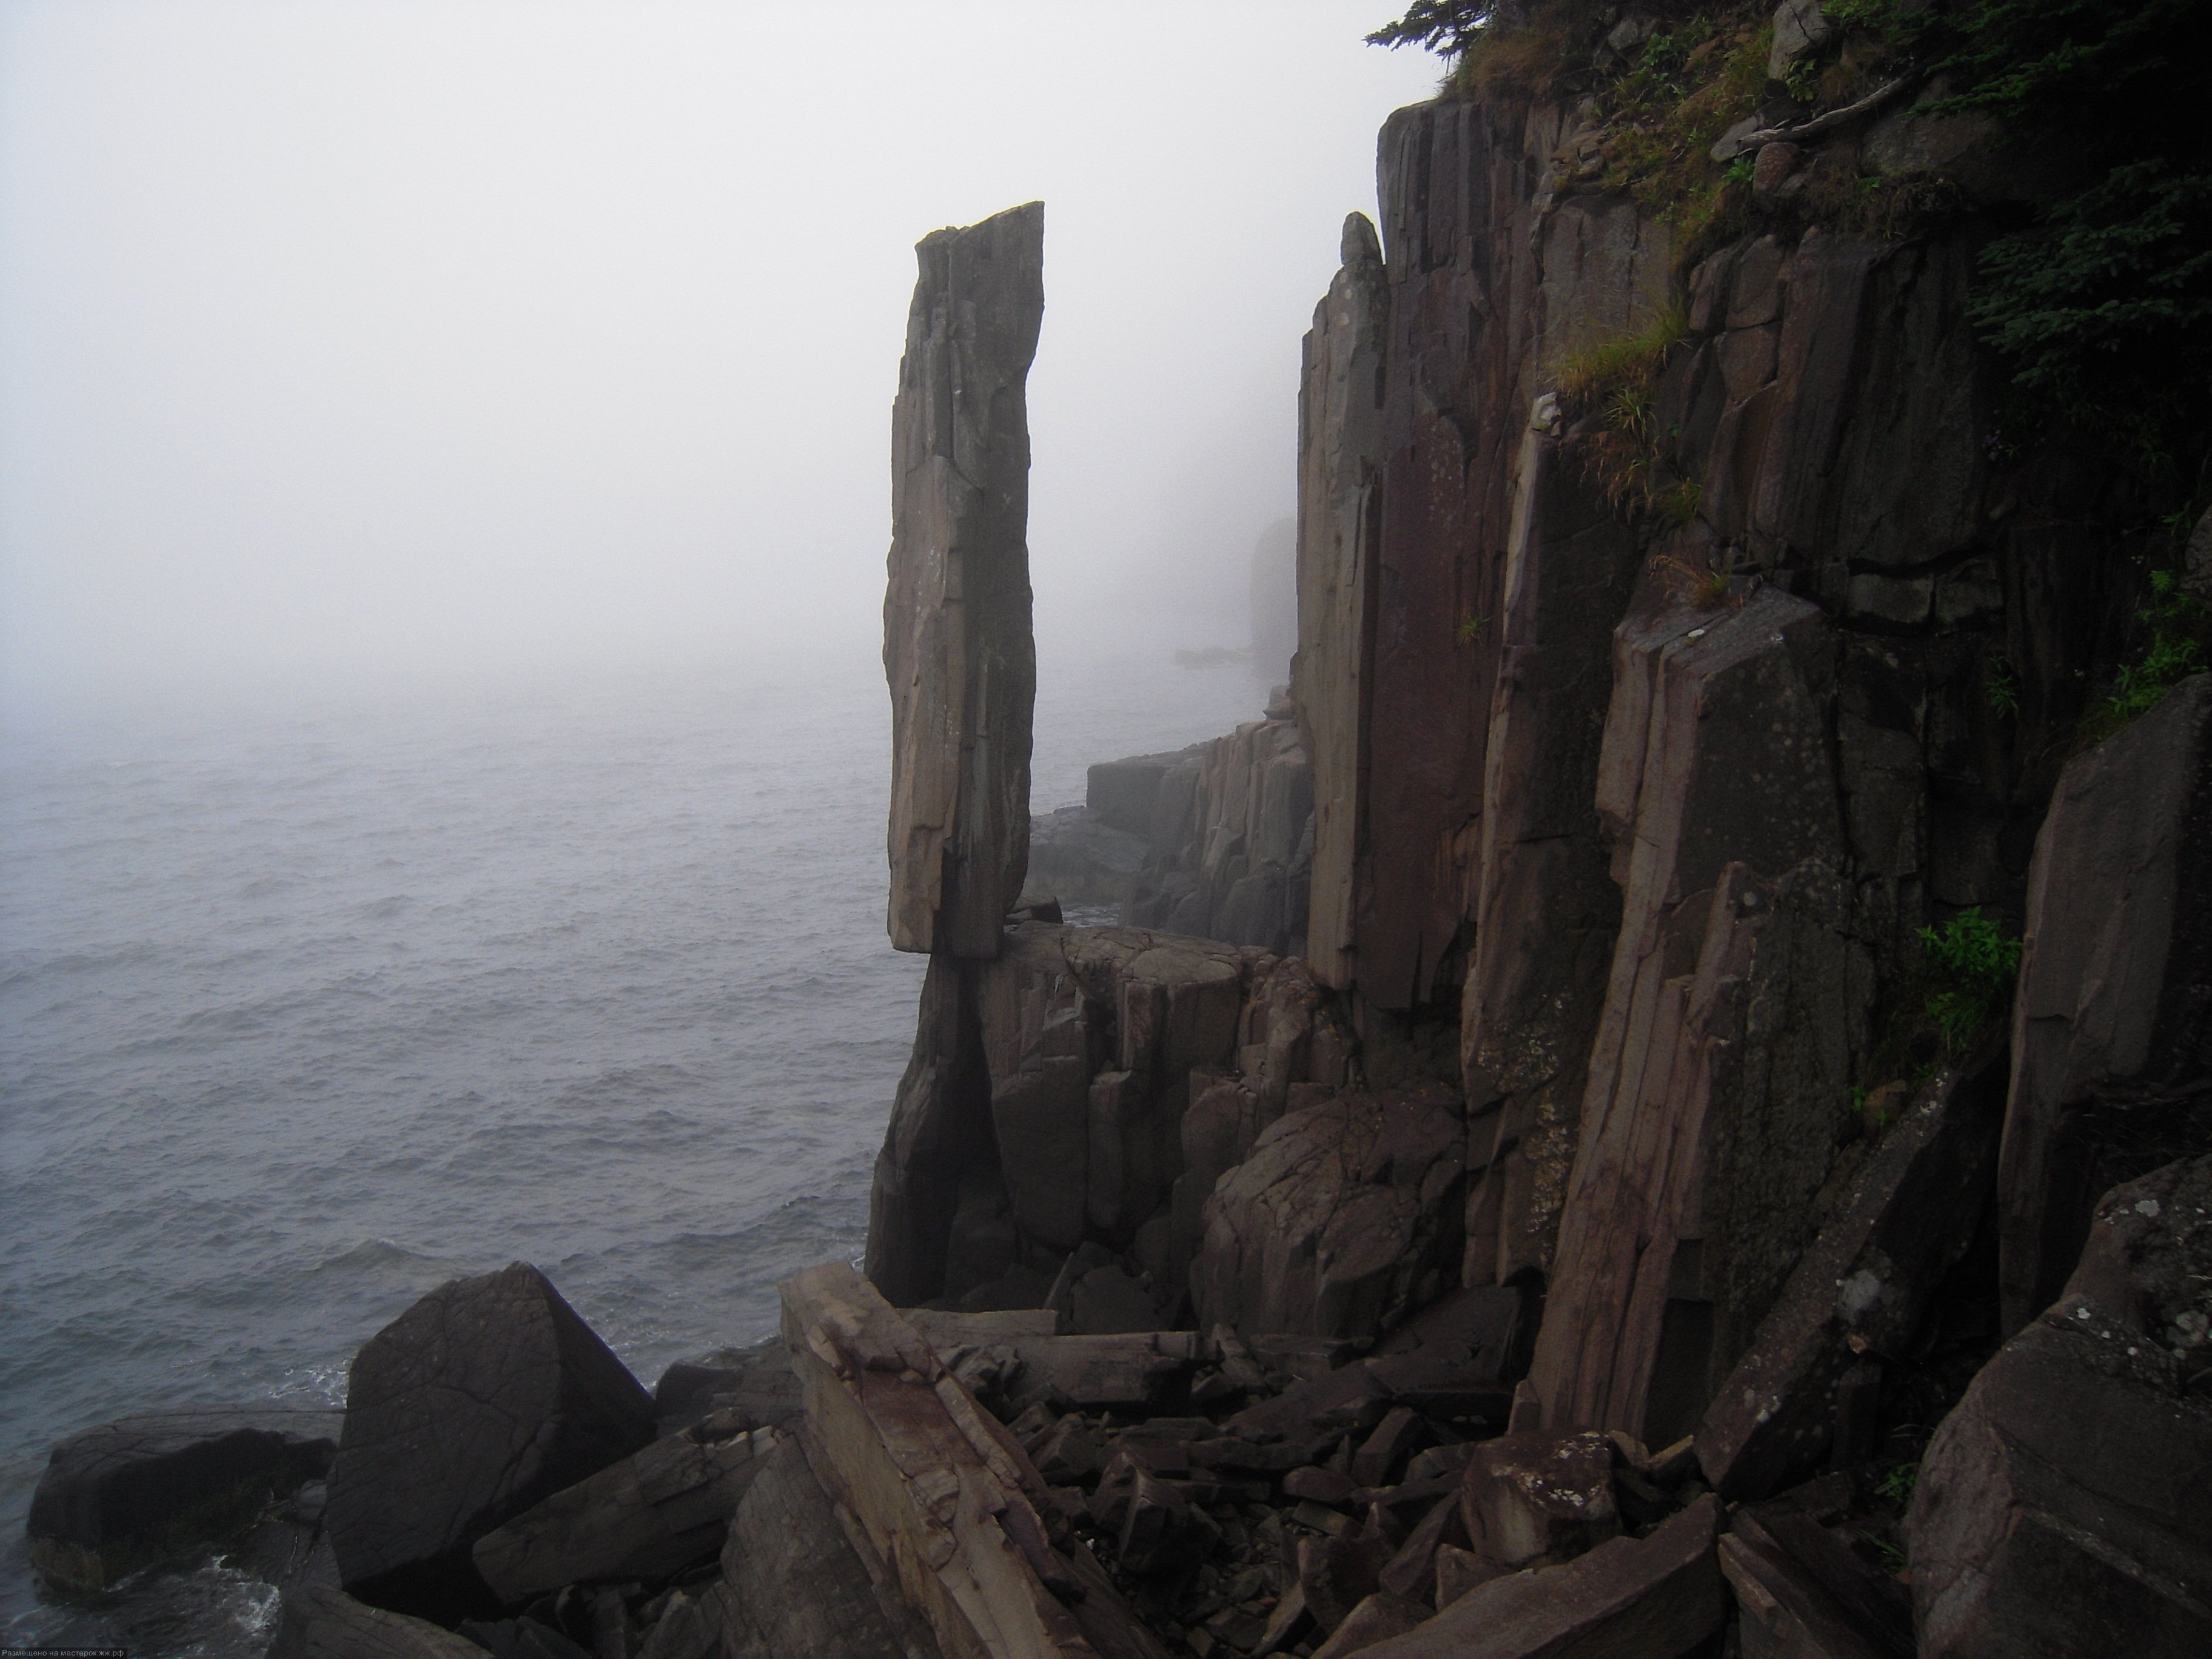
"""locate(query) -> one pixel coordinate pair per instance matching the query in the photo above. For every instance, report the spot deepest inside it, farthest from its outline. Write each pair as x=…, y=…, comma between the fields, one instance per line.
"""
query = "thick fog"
x=457, y=336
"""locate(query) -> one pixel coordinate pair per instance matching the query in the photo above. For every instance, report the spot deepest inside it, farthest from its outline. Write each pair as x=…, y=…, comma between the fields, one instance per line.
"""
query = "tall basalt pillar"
x=1339, y=507
x=1735, y=1005
x=1548, y=907
x=958, y=651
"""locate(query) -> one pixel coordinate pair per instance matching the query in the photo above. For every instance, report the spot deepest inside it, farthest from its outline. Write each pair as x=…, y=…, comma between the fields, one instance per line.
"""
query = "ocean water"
x=307, y=1010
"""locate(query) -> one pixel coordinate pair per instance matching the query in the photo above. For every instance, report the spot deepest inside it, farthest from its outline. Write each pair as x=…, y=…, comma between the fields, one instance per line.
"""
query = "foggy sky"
x=443, y=336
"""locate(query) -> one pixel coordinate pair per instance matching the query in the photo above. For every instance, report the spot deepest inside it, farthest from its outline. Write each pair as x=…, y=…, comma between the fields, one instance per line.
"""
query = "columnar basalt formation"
x=1340, y=501
x=2112, y=1030
x=957, y=646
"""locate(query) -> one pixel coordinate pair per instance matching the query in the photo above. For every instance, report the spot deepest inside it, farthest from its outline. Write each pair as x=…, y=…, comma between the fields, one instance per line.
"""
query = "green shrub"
x=2178, y=625
x=1975, y=965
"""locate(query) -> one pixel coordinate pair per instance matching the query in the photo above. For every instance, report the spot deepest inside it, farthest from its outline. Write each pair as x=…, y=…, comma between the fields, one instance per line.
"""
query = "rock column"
x=957, y=646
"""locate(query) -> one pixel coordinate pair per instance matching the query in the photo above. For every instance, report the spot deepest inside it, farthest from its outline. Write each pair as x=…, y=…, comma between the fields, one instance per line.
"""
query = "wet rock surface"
x=116, y=1498
x=482, y=1400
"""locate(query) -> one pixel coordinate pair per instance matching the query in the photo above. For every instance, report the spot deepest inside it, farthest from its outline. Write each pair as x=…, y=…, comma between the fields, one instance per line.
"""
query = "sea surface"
x=305, y=1010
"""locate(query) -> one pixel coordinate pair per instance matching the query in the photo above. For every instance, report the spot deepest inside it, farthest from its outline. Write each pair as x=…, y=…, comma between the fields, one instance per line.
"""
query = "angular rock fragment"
x=644, y=1518
x=1909, y=1214
x=1338, y=1573
x=1656, y=1598
x=958, y=647
x=1412, y=1572
x=2114, y=1013
x=2062, y=1507
x=1400, y=1434
x=483, y=1399
x=322, y=1622
x=118, y=1496
x=1330, y=1225
x=1139, y=1370
x=1803, y=1594
x=756, y=1383
x=1535, y=1498
x=1376, y=1619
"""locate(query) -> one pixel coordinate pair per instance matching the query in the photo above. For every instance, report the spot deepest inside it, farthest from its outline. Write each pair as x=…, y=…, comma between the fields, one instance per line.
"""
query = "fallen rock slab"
x=115, y=1498
x=644, y=1518
x=1652, y=1598
x=943, y=1493
x=2062, y=1507
x=485, y=1398
x=1378, y=1619
x=322, y=1622
x=1803, y=1594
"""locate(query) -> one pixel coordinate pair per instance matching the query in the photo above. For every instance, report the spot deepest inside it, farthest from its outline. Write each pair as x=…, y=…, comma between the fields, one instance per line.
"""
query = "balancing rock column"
x=961, y=663
x=958, y=647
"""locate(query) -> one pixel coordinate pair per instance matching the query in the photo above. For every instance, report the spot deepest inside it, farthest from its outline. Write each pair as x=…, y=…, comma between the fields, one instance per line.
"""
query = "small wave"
x=384, y=909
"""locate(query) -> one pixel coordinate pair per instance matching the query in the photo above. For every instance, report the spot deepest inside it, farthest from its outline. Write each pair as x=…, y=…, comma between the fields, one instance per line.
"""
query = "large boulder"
x=321, y=1622
x=958, y=649
x=2063, y=1508
x=1341, y=1219
x=481, y=1401
x=117, y=1497
x=2112, y=1025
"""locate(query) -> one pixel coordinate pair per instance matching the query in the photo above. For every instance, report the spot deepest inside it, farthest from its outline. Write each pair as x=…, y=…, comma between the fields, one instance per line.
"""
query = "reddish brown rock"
x=1655, y=1598
x=2112, y=1026
x=1546, y=909
x=1331, y=1224
x=957, y=648
x=1909, y=1214
x=2062, y=1507
x=1376, y=1619
x=1531, y=1499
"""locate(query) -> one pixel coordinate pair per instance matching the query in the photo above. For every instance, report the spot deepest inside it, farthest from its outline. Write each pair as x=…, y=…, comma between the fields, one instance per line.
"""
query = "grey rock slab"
x=117, y=1497
x=323, y=1622
x=486, y=1397
x=958, y=652
x=644, y=1518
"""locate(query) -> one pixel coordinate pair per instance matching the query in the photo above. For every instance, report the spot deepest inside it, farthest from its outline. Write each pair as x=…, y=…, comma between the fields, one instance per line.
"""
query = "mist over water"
x=301, y=1015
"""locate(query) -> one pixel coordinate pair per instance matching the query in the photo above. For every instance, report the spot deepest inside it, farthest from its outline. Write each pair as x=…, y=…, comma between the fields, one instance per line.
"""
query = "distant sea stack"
x=957, y=646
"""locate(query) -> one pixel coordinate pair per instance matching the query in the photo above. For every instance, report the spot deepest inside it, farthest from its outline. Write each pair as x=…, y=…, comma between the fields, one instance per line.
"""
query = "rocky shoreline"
x=1656, y=1104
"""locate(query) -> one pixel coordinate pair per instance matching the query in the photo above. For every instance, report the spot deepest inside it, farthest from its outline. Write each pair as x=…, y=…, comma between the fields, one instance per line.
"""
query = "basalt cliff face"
x=1636, y=749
